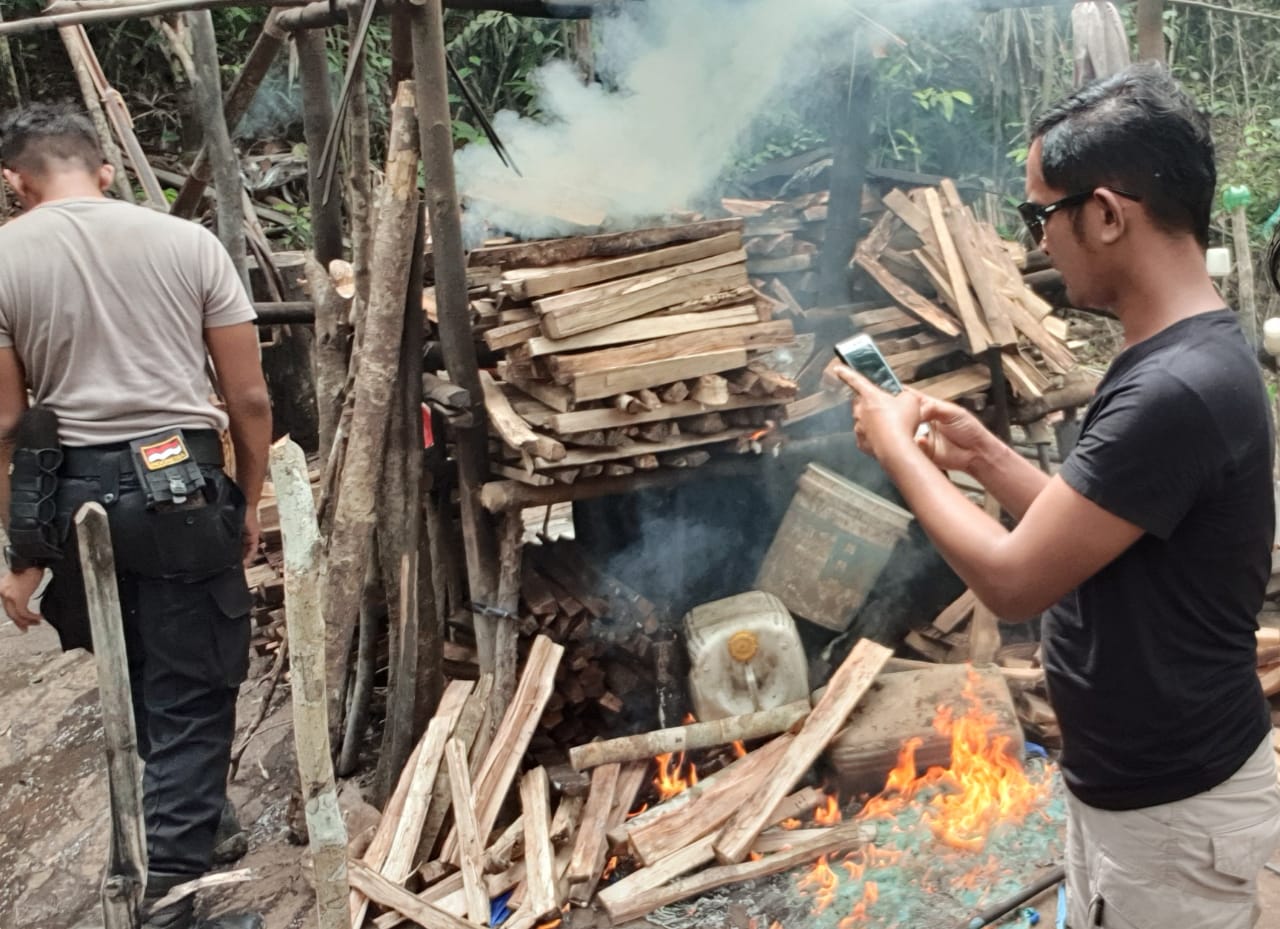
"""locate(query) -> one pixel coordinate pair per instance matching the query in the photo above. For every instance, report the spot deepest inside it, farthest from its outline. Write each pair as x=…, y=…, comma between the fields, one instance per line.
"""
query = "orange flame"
x=672, y=778
x=983, y=787
x=739, y=750
x=610, y=866
x=634, y=813
x=828, y=815
x=790, y=824
x=823, y=883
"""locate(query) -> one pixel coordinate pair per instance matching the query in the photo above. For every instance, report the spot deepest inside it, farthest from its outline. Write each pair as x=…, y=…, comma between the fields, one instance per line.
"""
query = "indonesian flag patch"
x=161, y=454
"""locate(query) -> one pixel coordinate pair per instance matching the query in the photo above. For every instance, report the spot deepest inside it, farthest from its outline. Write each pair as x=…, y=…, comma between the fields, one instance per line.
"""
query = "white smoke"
x=692, y=79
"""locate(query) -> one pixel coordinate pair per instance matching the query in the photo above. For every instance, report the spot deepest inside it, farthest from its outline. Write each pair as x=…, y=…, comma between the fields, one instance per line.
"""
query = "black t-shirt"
x=1151, y=662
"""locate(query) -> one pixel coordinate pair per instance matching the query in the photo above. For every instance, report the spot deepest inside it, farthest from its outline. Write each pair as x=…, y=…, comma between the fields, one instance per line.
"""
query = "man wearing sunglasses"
x=1149, y=552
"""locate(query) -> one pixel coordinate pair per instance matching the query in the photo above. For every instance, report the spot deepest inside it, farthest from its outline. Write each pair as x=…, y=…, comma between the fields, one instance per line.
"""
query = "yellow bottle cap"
x=743, y=646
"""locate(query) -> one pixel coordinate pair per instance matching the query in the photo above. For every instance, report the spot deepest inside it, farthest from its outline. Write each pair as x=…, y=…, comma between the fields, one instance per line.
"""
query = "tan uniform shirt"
x=106, y=304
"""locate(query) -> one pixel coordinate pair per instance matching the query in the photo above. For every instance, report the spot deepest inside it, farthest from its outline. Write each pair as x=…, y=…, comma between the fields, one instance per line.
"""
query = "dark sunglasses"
x=1035, y=215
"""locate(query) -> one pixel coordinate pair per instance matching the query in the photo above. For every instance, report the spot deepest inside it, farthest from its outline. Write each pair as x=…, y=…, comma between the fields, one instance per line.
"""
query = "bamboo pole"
x=379, y=350
x=89, y=93
x=238, y=99
x=303, y=568
x=453, y=306
x=317, y=117
x=207, y=86
x=123, y=879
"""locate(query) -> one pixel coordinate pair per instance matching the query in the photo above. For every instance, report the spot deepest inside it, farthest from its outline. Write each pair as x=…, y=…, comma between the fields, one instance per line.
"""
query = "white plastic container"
x=744, y=656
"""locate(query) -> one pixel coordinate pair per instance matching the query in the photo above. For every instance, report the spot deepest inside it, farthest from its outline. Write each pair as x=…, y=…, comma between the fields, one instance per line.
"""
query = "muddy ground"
x=53, y=799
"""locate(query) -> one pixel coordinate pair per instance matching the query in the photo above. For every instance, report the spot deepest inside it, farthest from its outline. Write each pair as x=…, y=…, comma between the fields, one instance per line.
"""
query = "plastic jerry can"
x=744, y=656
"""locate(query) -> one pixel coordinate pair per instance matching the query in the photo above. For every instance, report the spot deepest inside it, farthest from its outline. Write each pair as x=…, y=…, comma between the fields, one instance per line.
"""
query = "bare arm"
x=234, y=351
x=1013, y=480
x=1017, y=574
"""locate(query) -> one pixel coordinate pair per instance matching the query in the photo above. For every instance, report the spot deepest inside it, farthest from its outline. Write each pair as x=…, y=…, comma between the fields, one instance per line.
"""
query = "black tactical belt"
x=204, y=446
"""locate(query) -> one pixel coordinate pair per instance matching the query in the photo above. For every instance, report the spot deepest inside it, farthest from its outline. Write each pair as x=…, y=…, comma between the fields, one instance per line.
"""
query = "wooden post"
x=1245, y=279
x=207, y=86
x=243, y=89
x=89, y=92
x=332, y=349
x=359, y=183
x=851, y=141
x=1150, y=18
x=366, y=671
x=317, y=117
x=303, y=569
x=125, y=875
x=10, y=94
x=454, y=309
x=354, y=517
x=506, y=631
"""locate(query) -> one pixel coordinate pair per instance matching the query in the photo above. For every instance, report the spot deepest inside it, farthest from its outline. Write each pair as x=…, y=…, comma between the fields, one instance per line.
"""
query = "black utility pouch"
x=169, y=475
x=33, y=483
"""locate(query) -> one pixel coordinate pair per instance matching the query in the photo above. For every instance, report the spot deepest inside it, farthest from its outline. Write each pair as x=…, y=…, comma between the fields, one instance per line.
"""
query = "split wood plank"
x=907, y=364
x=726, y=793
x=578, y=458
x=644, y=294
x=384, y=838
x=611, y=245
x=956, y=613
x=701, y=852
x=955, y=384
x=446, y=894
x=512, y=334
x=1023, y=376
x=511, y=428
x=554, y=396
x=597, y=385
x=976, y=332
x=511, y=740
x=640, y=284
x=569, y=424
x=840, y=838
x=470, y=847
x=556, y=280
x=470, y=721
x=916, y=219
x=878, y=239
x=969, y=242
x=591, y=847
x=387, y=893
x=689, y=738
x=909, y=299
x=649, y=327
x=852, y=679
x=753, y=336
x=404, y=846
x=539, y=855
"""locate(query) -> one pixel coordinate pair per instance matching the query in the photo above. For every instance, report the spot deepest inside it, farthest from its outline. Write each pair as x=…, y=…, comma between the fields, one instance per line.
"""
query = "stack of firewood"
x=559, y=850
x=625, y=352
x=936, y=287
x=614, y=654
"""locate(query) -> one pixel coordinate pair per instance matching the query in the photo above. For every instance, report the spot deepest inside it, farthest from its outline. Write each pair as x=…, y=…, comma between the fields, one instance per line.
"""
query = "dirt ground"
x=53, y=795
x=53, y=799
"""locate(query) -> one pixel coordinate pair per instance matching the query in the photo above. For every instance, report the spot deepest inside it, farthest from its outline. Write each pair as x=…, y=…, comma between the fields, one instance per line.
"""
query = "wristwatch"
x=17, y=562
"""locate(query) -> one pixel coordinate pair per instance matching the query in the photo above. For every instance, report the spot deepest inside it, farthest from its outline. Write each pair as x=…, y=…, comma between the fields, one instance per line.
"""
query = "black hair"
x=1136, y=131
x=35, y=136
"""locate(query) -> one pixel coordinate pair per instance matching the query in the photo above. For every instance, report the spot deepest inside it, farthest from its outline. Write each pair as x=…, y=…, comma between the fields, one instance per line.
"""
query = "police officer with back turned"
x=107, y=311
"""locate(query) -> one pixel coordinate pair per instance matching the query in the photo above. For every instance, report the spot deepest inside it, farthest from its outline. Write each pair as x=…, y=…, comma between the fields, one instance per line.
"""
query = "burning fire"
x=961, y=806
x=674, y=777
x=983, y=788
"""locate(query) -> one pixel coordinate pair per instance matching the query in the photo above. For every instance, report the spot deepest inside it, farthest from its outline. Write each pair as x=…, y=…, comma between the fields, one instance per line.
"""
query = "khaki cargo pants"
x=1192, y=864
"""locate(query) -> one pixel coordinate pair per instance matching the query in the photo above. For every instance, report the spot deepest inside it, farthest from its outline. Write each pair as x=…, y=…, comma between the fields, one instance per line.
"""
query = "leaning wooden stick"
x=851, y=680
x=690, y=737
x=303, y=567
x=122, y=882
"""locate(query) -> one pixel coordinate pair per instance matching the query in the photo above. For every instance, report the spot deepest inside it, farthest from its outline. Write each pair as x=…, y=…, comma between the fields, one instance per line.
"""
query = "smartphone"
x=860, y=353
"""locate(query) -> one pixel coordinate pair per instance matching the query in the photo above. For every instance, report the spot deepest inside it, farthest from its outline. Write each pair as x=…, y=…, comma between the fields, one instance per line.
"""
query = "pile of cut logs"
x=625, y=352
x=938, y=290
x=559, y=850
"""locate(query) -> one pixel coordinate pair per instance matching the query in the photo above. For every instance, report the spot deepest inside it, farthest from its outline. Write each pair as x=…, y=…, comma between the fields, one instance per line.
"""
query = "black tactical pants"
x=185, y=607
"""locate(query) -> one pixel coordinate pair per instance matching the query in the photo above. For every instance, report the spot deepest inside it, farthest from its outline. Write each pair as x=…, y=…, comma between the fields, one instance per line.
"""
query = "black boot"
x=182, y=915
x=230, y=842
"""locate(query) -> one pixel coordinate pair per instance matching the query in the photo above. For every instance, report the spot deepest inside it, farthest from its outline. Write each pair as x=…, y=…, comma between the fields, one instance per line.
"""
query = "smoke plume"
x=687, y=84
